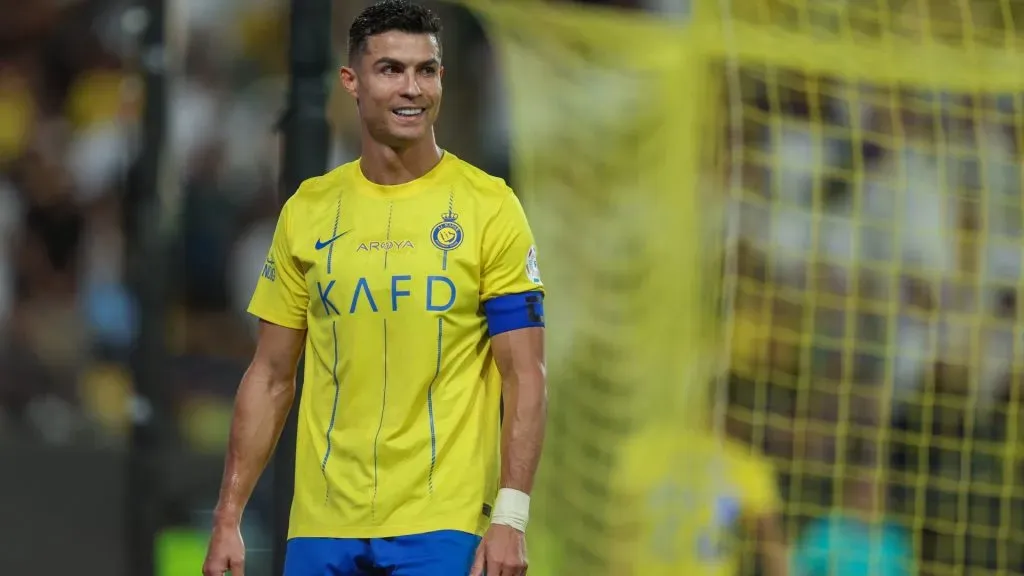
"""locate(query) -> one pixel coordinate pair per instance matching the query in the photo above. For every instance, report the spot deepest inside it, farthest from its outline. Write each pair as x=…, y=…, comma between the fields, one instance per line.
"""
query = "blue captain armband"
x=514, y=311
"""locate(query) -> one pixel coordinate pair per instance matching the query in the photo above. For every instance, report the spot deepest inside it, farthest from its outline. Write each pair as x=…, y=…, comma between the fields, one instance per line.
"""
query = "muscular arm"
x=520, y=358
x=261, y=408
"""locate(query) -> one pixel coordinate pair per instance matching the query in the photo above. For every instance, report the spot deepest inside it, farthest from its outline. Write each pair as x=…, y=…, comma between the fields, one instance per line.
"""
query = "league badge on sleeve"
x=447, y=235
x=270, y=269
x=532, y=269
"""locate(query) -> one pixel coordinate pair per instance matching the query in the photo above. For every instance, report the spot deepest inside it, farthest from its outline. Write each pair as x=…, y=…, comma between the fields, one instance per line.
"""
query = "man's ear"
x=349, y=80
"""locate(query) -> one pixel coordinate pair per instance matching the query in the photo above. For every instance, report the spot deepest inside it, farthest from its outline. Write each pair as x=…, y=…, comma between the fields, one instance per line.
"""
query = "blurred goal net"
x=802, y=216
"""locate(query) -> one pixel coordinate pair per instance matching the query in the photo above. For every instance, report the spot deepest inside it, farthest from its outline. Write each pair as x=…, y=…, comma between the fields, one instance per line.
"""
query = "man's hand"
x=226, y=553
x=501, y=553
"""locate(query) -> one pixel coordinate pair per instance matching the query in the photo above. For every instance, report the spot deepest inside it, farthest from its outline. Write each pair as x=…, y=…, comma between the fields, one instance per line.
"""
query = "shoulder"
x=746, y=457
x=482, y=185
x=315, y=189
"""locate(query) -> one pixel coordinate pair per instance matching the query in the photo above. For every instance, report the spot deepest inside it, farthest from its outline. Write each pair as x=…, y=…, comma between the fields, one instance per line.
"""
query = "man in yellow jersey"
x=687, y=496
x=410, y=279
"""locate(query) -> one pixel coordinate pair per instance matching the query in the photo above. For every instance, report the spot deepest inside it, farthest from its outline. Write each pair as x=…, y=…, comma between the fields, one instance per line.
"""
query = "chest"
x=413, y=256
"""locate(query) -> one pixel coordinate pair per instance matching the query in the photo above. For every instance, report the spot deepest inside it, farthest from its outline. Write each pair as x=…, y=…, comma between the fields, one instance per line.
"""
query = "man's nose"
x=411, y=89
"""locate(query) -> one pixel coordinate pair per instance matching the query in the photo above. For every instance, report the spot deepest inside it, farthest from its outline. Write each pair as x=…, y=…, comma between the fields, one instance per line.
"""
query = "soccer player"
x=857, y=538
x=410, y=279
x=688, y=496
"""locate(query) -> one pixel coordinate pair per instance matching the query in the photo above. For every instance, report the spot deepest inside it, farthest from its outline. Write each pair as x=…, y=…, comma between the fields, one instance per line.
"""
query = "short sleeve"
x=509, y=254
x=760, y=494
x=281, y=296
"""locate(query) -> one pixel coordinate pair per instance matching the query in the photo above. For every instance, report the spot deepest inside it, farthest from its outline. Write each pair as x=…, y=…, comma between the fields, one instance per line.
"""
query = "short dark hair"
x=391, y=15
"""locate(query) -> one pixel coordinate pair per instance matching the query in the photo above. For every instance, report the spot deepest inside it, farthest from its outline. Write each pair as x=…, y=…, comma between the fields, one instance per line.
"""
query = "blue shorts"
x=444, y=553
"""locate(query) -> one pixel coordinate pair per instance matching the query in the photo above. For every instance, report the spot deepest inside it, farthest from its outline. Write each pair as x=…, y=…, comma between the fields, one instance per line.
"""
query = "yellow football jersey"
x=399, y=416
x=685, y=496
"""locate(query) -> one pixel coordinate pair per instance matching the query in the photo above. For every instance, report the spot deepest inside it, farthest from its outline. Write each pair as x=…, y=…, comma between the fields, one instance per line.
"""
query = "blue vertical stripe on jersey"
x=334, y=412
x=380, y=425
x=430, y=405
x=437, y=369
x=330, y=250
x=387, y=239
x=451, y=208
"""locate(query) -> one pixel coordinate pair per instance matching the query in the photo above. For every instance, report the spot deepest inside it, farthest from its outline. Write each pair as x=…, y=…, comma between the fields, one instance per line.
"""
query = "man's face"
x=397, y=86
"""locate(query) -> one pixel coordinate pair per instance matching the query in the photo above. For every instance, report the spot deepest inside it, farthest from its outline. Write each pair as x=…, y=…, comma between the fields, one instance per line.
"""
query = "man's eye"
x=389, y=69
x=429, y=70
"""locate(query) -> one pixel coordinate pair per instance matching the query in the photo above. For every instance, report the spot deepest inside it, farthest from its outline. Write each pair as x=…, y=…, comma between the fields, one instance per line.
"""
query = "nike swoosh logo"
x=320, y=244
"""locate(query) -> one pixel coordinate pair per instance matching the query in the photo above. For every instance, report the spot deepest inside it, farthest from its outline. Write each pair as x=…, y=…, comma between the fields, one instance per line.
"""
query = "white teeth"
x=409, y=111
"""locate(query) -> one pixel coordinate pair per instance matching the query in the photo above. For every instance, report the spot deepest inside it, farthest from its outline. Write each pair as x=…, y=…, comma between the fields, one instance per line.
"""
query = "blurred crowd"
x=881, y=237
x=71, y=103
x=904, y=208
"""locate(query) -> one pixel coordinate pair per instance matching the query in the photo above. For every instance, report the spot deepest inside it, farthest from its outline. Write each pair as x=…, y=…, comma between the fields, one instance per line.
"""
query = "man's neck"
x=389, y=166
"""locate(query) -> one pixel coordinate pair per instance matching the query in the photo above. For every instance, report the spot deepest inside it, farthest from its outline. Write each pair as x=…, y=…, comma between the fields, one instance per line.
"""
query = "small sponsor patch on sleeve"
x=532, y=269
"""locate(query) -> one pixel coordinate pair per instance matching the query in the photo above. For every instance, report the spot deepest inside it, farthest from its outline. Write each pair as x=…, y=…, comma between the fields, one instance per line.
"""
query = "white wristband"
x=512, y=509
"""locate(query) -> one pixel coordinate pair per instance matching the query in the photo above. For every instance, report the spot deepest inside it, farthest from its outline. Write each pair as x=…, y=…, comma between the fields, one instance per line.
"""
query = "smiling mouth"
x=409, y=112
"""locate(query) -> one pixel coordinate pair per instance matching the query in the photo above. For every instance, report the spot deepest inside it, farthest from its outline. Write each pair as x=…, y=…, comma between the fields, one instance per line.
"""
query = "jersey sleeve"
x=281, y=296
x=509, y=253
x=760, y=494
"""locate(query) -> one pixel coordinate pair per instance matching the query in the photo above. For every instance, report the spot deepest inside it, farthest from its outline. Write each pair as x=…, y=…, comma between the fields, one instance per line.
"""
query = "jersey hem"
x=316, y=530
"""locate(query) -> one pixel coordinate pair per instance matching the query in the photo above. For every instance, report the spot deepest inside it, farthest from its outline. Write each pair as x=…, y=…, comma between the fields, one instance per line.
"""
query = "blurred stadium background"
x=811, y=209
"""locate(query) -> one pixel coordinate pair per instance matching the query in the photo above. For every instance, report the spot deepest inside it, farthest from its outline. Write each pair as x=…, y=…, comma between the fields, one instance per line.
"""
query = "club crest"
x=447, y=234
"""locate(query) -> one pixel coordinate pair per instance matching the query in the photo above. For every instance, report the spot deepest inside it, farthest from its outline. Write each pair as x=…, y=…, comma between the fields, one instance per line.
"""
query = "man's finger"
x=496, y=568
x=478, y=562
x=238, y=568
x=512, y=570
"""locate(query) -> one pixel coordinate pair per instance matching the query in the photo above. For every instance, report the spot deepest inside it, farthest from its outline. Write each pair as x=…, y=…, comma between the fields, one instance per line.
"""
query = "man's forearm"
x=775, y=559
x=522, y=432
x=261, y=408
x=773, y=546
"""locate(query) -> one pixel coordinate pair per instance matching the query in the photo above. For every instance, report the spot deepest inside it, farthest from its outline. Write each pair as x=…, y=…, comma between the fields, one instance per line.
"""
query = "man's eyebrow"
x=395, y=62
